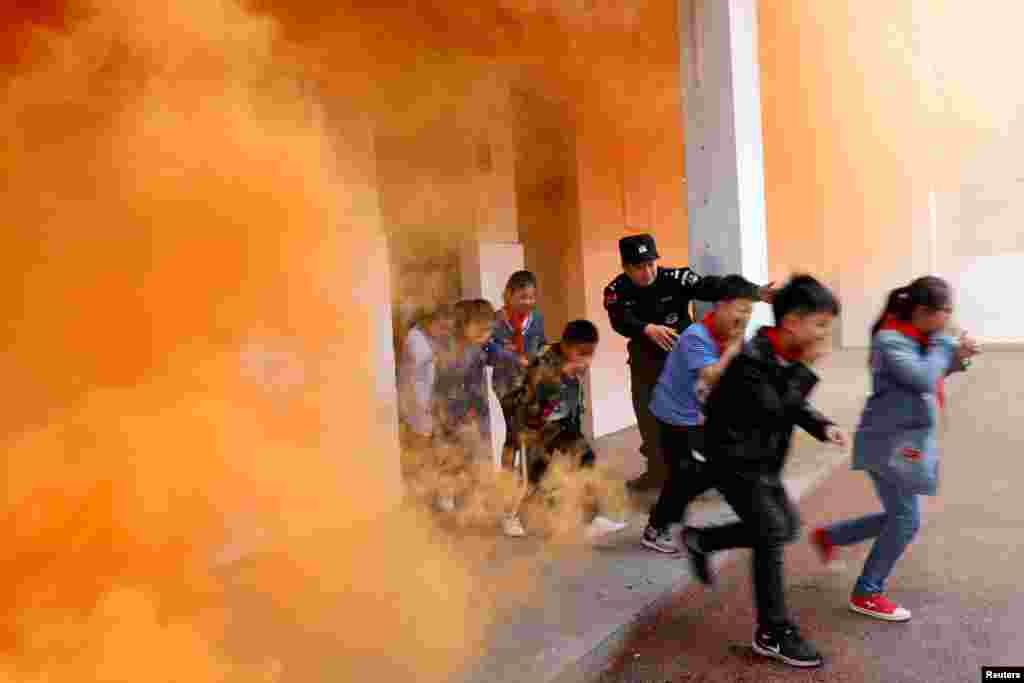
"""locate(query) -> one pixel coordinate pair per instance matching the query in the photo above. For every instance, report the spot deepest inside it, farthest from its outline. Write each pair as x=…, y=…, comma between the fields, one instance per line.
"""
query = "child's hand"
x=968, y=347
x=768, y=292
x=836, y=436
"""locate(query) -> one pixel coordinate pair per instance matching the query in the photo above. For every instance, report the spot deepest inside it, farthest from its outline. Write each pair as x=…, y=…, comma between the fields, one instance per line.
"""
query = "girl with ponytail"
x=895, y=443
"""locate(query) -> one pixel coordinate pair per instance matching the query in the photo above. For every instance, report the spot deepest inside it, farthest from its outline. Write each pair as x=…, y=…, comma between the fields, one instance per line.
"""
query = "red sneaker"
x=879, y=607
x=826, y=551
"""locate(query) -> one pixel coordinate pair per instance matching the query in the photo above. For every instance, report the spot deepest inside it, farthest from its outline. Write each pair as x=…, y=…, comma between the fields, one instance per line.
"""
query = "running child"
x=895, y=443
x=417, y=368
x=692, y=369
x=519, y=329
x=549, y=409
x=461, y=409
x=751, y=414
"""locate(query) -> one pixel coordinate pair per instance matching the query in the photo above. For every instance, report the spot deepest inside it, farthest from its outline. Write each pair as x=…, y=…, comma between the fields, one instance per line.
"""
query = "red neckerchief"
x=774, y=335
x=893, y=323
x=708, y=321
x=517, y=321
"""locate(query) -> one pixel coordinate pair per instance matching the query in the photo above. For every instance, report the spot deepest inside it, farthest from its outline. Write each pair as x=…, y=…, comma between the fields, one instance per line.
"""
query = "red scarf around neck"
x=708, y=321
x=517, y=321
x=905, y=328
x=774, y=335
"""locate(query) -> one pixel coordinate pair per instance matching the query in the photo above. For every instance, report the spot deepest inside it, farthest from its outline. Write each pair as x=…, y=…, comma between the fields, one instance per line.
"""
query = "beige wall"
x=548, y=205
x=445, y=178
x=859, y=131
x=629, y=149
x=842, y=151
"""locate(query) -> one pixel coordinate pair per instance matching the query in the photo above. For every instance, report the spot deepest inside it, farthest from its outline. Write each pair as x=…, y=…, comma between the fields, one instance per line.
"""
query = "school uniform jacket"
x=508, y=376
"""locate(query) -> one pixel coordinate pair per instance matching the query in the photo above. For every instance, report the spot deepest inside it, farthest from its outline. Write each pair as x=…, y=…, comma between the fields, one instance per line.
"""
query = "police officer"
x=650, y=305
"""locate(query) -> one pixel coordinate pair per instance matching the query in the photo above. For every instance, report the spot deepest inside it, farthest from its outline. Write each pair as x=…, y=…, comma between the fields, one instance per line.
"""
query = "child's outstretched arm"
x=813, y=422
x=804, y=415
x=497, y=354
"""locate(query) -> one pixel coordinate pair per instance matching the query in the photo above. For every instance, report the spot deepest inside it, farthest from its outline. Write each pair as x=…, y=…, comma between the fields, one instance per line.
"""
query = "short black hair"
x=804, y=295
x=734, y=287
x=580, y=332
x=521, y=279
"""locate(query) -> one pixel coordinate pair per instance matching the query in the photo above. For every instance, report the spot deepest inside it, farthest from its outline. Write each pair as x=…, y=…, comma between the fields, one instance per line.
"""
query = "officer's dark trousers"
x=644, y=371
x=768, y=521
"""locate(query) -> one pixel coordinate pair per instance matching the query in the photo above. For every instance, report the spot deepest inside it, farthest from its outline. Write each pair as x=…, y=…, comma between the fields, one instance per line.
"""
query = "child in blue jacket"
x=519, y=330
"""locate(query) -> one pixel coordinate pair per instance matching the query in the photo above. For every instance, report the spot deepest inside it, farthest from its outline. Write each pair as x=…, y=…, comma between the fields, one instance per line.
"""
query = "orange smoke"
x=174, y=199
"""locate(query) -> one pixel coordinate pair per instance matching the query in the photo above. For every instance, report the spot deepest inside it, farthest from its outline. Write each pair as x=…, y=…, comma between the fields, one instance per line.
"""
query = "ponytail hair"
x=929, y=291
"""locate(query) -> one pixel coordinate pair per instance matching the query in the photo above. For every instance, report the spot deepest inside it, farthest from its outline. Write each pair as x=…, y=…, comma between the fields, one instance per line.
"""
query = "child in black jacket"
x=751, y=414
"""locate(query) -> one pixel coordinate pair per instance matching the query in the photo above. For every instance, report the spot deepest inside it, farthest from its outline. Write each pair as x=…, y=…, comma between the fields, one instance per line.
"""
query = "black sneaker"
x=786, y=645
x=659, y=540
x=700, y=561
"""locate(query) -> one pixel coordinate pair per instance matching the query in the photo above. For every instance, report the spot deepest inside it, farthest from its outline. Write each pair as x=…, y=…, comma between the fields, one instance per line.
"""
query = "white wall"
x=981, y=231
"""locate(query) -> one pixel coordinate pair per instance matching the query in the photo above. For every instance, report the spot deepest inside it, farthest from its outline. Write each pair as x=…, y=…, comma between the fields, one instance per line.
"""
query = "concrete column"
x=354, y=162
x=724, y=154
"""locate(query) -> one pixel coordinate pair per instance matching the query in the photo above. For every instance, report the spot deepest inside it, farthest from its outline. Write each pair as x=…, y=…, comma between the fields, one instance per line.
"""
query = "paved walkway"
x=962, y=578
x=557, y=612
x=583, y=600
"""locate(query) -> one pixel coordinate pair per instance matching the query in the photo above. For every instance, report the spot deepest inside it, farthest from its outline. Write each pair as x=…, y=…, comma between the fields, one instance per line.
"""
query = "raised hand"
x=968, y=347
x=768, y=292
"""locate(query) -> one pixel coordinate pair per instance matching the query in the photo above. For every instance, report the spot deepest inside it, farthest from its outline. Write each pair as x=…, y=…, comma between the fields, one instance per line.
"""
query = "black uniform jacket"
x=666, y=301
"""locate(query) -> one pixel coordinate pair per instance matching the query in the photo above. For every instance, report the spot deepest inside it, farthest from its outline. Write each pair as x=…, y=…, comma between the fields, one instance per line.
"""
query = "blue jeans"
x=893, y=530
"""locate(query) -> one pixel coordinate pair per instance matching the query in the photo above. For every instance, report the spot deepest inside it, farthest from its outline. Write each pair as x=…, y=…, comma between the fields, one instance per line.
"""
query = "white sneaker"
x=445, y=503
x=512, y=526
x=602, y=526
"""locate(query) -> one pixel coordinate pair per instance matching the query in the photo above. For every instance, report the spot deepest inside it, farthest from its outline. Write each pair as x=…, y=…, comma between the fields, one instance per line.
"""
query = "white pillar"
x=724, y=153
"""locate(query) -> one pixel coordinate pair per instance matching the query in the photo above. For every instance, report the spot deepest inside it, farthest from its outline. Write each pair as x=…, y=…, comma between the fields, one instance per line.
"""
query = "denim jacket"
x=896, y=437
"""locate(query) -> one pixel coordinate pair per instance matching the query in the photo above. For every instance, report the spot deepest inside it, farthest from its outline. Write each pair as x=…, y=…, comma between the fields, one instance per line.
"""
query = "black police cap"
x=638, y=249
